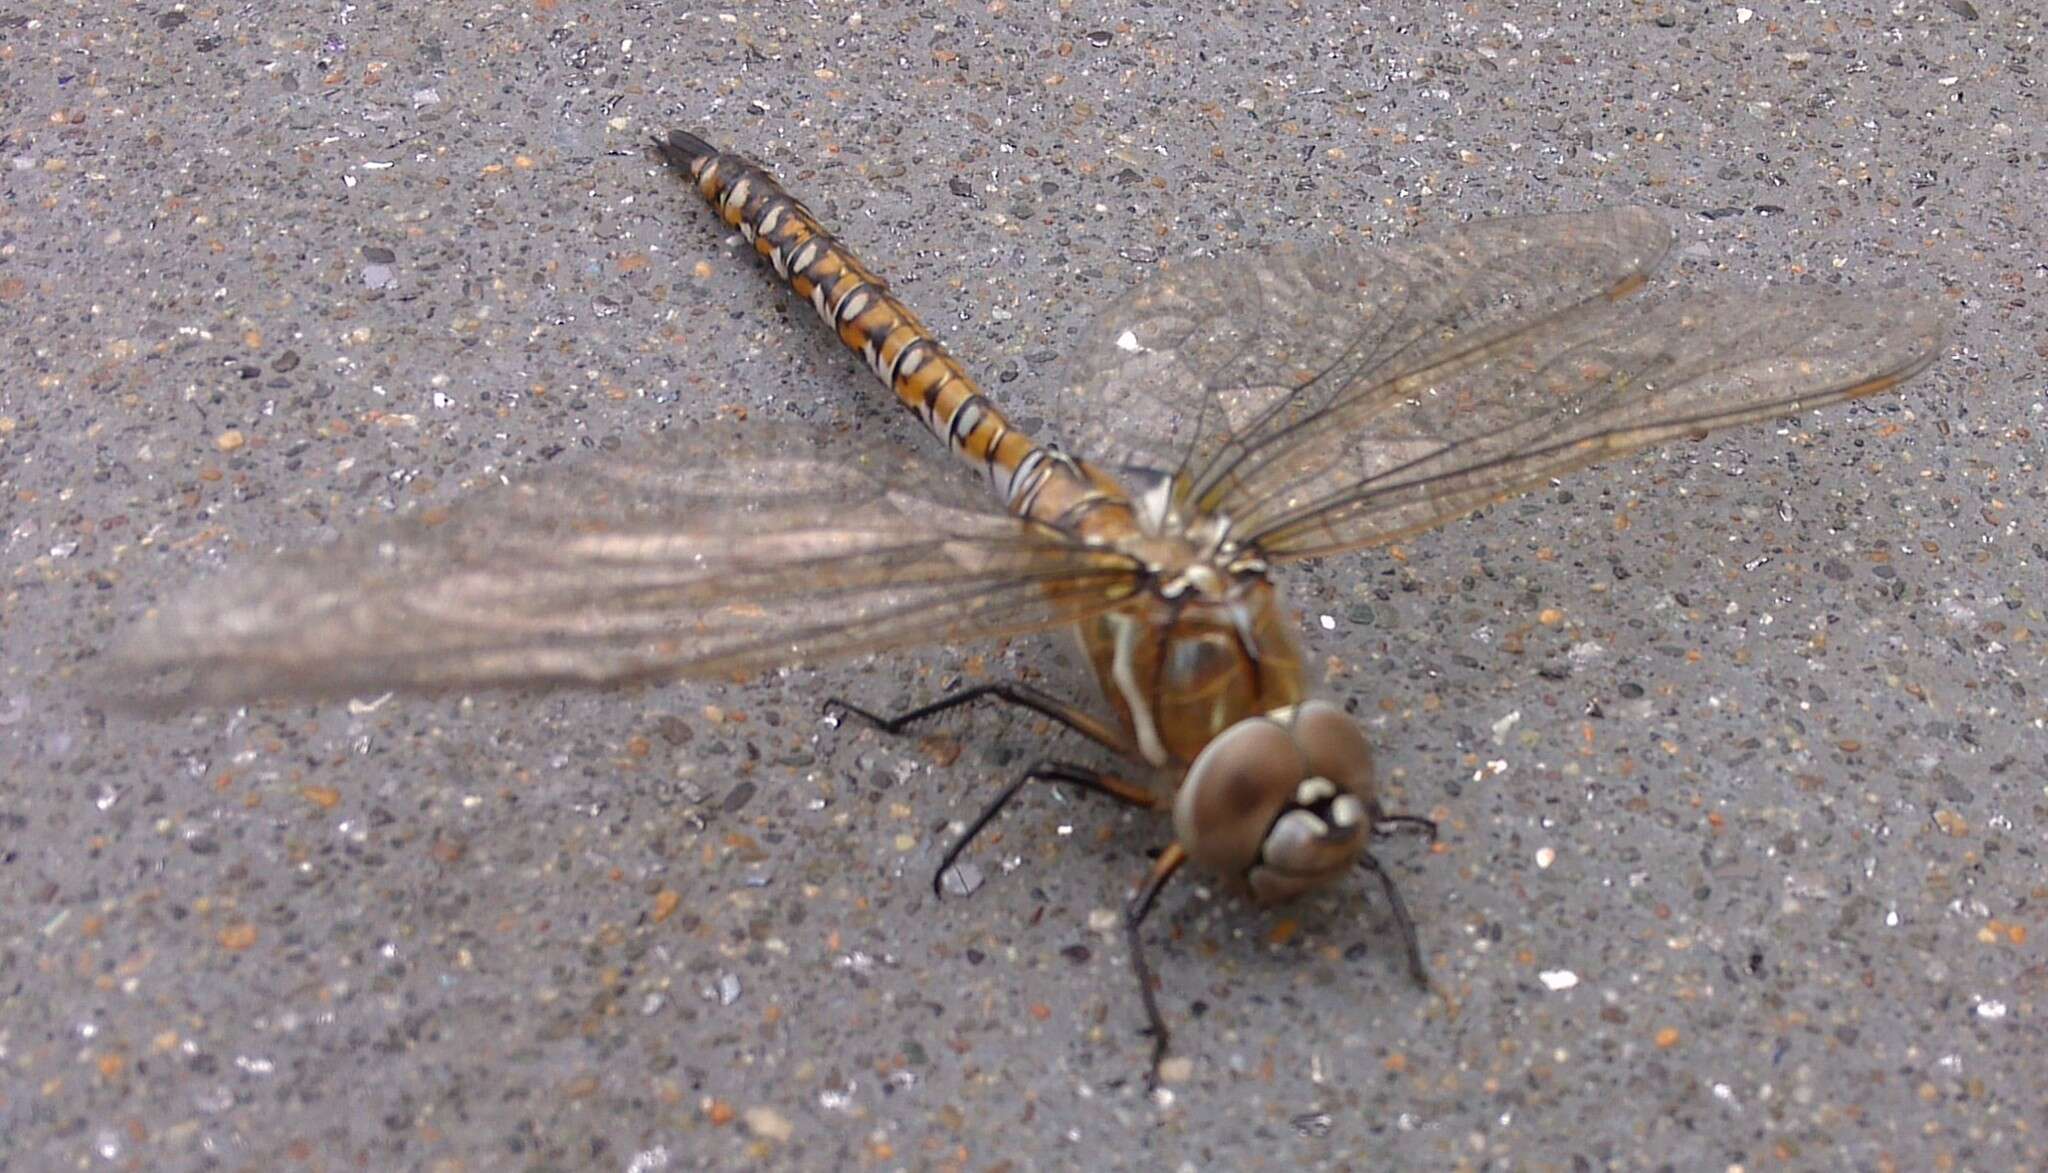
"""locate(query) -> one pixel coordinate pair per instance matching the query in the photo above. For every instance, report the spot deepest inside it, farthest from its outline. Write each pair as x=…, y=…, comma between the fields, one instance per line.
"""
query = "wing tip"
x=127, y=678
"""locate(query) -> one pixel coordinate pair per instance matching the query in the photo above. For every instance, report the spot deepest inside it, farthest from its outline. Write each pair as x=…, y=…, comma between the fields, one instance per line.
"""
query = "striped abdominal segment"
x=857, y=306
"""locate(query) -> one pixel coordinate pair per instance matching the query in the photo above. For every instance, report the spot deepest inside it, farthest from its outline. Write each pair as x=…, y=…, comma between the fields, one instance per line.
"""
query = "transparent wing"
x=718, y=550
x=1414, y=450
x=1219, y=352
x=1327, y=400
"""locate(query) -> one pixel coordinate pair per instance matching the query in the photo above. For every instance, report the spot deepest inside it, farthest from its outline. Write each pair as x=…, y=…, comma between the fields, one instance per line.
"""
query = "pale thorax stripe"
x=1126, y=677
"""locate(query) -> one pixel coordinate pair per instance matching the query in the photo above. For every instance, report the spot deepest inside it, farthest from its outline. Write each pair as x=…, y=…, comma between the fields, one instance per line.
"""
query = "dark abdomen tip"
x=681, y=149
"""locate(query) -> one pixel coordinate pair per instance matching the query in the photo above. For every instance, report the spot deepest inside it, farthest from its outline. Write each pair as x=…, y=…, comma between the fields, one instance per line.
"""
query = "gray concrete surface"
x=1742, y=862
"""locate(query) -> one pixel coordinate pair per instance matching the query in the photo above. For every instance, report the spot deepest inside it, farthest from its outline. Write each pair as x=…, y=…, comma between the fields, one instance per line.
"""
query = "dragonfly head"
x=1282, y=803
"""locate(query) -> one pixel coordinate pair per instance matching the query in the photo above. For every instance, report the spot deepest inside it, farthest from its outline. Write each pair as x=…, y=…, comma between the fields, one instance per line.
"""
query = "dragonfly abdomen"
x=858, y=307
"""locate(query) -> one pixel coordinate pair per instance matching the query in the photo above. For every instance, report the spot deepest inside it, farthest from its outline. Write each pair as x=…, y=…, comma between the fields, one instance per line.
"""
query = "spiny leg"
x=1135, y=912
x=1042, y=771
x=1017, y=694
x=1403, y=921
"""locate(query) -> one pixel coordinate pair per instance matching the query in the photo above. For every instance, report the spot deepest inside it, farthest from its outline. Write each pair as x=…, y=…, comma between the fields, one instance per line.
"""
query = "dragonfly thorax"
x=1201, y=649
x=1178, y=569
x=1184, y=555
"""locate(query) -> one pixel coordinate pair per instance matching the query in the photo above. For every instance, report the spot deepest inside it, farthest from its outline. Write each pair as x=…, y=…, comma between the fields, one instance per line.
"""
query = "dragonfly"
x=1227, y=416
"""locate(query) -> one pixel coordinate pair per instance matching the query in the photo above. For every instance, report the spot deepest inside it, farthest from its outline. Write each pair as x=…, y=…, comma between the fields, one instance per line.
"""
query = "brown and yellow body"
x=1271, y=791
x=858, y=307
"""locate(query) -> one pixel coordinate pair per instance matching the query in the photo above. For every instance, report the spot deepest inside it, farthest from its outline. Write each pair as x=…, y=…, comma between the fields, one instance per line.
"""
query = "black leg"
x=1402, y=920
x=1135, y=913
x=1017, y=694
x=1042, y=771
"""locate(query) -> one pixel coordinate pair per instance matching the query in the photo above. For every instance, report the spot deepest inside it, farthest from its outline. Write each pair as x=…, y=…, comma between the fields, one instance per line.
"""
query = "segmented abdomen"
x=858, y=307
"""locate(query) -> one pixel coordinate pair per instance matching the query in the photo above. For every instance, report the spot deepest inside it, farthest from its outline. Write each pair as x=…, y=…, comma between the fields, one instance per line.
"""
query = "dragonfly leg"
x=1017, y=694
x=1406, y=923
x=1042, y=771
x=1135, y=912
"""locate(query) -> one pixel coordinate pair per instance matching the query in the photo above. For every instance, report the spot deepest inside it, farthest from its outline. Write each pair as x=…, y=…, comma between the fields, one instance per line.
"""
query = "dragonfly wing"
x=1322, y=400
x=1218, y=352
x=689, y=553
x=1410, y=450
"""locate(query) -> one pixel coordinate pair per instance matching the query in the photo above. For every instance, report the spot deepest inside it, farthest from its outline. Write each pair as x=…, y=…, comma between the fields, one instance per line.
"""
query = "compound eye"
x=1238, y=785
x=1336, y=749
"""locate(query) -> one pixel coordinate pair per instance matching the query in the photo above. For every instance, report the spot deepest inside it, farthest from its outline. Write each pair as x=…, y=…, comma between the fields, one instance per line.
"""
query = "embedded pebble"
x=962, y=879
x=768, y=1124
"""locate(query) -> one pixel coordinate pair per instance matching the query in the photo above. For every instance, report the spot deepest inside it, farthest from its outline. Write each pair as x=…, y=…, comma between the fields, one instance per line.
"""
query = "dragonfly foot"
x=844, y=708
x=1417, y=968
x=1135, y=912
